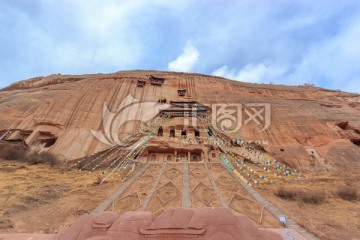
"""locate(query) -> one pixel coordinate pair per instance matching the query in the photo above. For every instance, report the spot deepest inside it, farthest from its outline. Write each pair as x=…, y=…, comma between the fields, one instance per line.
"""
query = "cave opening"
x=356, y=141
x=160, y=131
x=197, y=133
x=183, y=133
x=343, y=125
x=48, y=142
x=172, y=131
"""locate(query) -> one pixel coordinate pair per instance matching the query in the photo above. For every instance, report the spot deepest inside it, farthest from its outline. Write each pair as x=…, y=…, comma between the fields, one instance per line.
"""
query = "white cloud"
x=289, y=42
x=250, y=73
x=332, y=63
x=187, y=59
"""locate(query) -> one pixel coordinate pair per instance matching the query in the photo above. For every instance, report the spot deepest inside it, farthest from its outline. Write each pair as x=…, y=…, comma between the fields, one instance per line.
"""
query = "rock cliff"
x=305, y=126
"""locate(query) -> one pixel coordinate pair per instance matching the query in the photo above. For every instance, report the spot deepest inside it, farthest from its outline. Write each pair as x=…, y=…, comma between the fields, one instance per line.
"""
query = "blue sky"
x=283, y=42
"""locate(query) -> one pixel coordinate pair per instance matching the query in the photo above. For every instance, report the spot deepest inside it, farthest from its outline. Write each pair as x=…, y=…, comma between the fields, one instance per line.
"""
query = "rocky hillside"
x=305, y=126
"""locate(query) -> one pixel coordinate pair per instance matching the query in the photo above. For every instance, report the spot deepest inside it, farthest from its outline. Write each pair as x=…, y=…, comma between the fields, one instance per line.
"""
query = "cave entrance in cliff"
x=19, y=135
x=48, y=142
x=152, y=158
x=183, y=133
x=182, y=157
x=169, y=158
x=195, y=159
x=172, y=131
x=196, y=155
x=43, y=139
x=160, y=132
x=356, y=141
x=343, y=125
x=197, y=132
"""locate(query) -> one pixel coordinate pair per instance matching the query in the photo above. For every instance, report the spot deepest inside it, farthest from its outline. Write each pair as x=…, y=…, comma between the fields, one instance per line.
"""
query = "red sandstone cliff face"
x=310, y=127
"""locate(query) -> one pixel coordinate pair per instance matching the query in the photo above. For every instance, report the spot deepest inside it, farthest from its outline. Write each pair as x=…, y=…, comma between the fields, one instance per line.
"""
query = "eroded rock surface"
x=309, y=127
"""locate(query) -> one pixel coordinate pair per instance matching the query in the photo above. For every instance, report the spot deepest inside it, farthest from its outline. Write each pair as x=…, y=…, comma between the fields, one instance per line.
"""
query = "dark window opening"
x=195, y=159
x=48, y=142
x=281, y=149
x=172, y=132
x=197, y=133
x=153, y=157
x=160, y=131
x=183, y=133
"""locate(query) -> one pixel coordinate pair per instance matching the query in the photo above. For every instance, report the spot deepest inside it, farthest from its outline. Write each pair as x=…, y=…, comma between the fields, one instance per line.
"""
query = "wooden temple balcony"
x=183, y=112
x=191, y=104
x=156, y=81
x=141, y=83
x=182, y=92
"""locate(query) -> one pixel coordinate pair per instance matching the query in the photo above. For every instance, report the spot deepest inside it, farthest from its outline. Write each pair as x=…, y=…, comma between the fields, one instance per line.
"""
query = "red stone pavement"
x=177, y=223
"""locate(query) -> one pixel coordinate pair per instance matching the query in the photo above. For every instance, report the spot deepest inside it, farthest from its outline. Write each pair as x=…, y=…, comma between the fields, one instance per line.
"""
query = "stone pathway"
x=186, y=199
x=272, y=209
x=218, y=193
x=153, y=189
x=107, y=202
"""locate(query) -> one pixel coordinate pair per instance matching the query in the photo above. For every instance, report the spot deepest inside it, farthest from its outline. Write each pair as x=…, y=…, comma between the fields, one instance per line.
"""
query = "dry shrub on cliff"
x=12, y=152
x=347, y=193
x=36, y=157
x=311, y=197
x=5, y=223
x=21, y=153
x=286, y=194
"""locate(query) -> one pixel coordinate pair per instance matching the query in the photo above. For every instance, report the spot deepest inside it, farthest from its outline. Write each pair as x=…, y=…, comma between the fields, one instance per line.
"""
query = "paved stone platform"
x=187, y=195
x=25, y=236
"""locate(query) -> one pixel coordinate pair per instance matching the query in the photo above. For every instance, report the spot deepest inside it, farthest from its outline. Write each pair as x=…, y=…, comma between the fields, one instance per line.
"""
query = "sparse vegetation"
x=12, y=152
x=311, y=197
x=20, y=153
x=335, y=218
x=41, y=157
x=98, y=180
x=347, y=193
x=286, y=194
x=5, y=223
x=43, y=199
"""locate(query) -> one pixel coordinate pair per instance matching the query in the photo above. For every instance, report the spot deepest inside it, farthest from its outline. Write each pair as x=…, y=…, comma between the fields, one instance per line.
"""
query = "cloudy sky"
x=284, y=42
